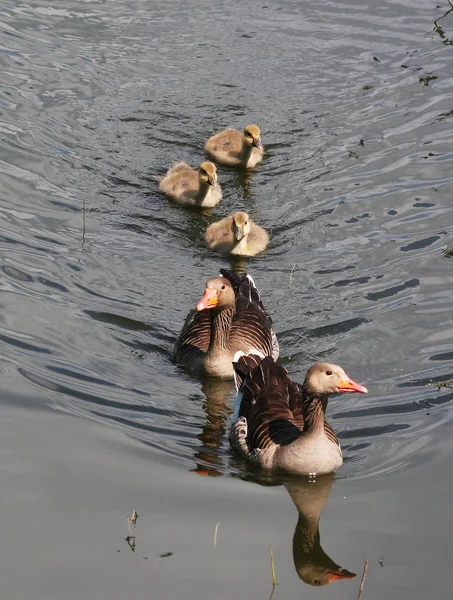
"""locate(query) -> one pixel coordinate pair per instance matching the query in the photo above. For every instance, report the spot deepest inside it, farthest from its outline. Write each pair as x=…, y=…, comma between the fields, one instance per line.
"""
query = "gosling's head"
x=252, y=136
x=207, y=173
x=240, y=225
x=326, y=379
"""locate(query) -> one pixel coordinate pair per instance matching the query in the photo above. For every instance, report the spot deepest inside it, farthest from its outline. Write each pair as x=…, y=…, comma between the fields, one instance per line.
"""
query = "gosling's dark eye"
x=328, y=372
x=222, y=287
x=246, y=223
x=203, y=172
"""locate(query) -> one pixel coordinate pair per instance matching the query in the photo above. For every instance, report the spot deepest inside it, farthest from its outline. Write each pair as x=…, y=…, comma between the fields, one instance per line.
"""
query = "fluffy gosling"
x=189, y=187
x=237, y=234
x=231, y=147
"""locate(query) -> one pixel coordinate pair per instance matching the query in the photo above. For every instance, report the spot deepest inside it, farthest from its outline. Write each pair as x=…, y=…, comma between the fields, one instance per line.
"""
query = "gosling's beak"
x=340, y=574
x=212, y=180
x=348, y=385
x=209, y=300
x=257, y=143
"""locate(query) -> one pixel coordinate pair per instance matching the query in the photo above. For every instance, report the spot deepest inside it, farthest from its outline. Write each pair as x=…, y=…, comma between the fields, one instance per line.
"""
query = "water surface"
x=98, y=271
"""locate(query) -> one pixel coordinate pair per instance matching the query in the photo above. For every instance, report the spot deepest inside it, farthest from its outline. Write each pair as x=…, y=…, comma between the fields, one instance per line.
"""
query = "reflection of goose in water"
x=312, y=564
x=209, y=456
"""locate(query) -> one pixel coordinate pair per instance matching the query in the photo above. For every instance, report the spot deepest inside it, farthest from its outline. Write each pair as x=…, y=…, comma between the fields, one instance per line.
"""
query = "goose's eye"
x=203, y=172
x=246, y=223
x=317, y=582
x=328, y=372
x=222, y=287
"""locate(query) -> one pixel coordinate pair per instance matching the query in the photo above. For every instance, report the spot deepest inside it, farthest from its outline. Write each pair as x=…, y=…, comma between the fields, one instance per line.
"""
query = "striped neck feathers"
x=314, y=407
x=221, y=319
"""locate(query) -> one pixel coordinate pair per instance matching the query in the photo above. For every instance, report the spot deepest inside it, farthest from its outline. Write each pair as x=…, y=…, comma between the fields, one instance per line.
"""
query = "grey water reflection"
x=209, y=456
x=312, y=563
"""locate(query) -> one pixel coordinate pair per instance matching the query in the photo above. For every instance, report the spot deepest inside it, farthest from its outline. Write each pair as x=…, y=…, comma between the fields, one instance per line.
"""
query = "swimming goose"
x=192, y=188
x=312, y=564
x=237, y=234
x=280, y=424
x=231, y=147
x=229, y=318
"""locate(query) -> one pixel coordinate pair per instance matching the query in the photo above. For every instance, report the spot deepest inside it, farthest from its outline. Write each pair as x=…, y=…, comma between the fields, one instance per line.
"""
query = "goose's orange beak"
x=348, y=385
x=209, y=300
x=340, y=574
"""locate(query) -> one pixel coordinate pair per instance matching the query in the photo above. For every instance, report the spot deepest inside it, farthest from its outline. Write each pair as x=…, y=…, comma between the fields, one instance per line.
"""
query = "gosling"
x=231, y=147
x=189, y=187
x=237, y=234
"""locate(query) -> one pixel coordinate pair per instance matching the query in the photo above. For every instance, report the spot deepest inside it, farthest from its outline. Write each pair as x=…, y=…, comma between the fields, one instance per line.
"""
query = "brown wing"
x=195, y=334
x=252, y=326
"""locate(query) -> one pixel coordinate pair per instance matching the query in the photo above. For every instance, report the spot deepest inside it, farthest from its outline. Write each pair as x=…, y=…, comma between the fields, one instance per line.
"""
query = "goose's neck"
x=203, y=191
x=241, y=245
x=220, y=329
x=313, y=409
x=246, y=152
x=306, y=534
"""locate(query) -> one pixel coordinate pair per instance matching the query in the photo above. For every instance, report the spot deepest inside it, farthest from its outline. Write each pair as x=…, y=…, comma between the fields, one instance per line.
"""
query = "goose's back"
x=226, y=141
x=179, y=181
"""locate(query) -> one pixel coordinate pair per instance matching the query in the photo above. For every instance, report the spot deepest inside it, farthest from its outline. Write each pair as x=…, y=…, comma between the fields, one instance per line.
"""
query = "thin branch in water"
x=130, y=539
x=84, y=211
x=437, y=27
x=215, y=533
x=362, y=583
x=291, y=274
x=274, y=579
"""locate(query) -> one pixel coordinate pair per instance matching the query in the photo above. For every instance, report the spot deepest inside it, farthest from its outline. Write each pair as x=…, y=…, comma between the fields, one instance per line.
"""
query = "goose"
x=237, y=234
x=189, y=187
x=229, y=318
x=231, y=147
x=312, y=564
x=280, y=424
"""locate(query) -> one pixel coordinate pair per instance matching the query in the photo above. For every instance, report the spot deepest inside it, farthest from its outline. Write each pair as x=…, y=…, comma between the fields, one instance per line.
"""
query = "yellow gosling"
x=231, y=147
x=189, y=187
x=237, y=234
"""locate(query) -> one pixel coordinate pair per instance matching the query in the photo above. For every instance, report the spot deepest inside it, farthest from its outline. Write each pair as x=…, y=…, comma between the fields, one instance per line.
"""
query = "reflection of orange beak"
x=340, y=574
x=209, y=300
x=348, y=385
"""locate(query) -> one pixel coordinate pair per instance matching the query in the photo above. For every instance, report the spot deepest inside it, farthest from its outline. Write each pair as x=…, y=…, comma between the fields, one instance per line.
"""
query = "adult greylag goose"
x=189, y=187
x=231, y=147
x=237, y=234
x=280, y=424
x=229, y=318
x=312, y=564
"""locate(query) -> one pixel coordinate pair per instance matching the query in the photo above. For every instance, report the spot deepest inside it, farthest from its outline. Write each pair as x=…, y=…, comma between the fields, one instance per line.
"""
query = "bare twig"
x=362, y=583
x=274, y=579
x=132, y=520
x=291, y=274
x=215, y=533
x=436, y=22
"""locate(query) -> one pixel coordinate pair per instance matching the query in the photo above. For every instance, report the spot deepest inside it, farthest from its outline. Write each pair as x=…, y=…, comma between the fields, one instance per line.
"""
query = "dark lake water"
x=98, y=271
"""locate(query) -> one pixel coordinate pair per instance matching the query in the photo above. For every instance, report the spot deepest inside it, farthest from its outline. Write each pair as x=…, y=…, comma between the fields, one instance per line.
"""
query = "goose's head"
x=207, y=173
x=252, y=136
x=318, y=575
x=241, y=225
x=218, y=294
x=326, y=379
